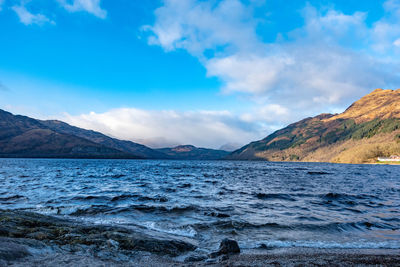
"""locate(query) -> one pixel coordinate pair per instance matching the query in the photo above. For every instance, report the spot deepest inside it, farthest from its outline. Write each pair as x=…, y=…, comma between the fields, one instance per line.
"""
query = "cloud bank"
x=332, y=58
x=169, y=128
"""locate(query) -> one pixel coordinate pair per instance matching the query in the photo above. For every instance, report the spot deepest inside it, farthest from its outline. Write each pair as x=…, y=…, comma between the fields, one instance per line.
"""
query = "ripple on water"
x=287, y=204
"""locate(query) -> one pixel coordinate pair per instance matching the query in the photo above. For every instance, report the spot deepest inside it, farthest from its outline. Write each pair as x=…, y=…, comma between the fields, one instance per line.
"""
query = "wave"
x=139, y=198
x=265, y=196
x=90, y=197
x=172, y=209
x=105, y=209
x=229, y=224
x=186, y=230
x=324, y=244
x=124, y=197
x=318, y=173
x=13, y=197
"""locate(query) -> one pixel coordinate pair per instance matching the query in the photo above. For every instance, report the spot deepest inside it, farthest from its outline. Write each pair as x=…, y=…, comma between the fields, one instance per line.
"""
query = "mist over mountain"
x=192, y=152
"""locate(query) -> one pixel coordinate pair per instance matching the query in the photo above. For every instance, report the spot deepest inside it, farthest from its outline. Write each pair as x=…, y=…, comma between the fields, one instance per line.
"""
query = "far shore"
x=253, y=160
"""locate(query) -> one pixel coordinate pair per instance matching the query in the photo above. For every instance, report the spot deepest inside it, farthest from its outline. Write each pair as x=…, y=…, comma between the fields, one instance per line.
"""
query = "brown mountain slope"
x=380, y=104
x=22, y=136
x=99, y=138
x=367, y=129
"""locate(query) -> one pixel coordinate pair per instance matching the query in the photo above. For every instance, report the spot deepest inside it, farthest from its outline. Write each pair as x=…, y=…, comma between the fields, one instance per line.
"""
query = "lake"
x=259, y=204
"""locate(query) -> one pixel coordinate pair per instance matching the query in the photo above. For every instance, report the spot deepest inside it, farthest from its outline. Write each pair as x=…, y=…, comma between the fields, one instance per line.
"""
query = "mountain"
x=22, y=136
x=99, y=138
x=369, y=128
x=230, y=147
x=192, y=152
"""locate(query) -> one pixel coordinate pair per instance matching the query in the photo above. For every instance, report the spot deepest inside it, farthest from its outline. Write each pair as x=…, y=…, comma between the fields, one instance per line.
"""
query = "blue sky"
x=193, y=71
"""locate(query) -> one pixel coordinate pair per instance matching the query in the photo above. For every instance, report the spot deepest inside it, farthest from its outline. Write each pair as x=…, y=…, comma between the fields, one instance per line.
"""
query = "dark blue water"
x=275, y=204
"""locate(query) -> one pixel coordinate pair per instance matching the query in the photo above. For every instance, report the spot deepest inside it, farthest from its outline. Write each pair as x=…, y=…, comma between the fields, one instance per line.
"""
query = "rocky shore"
x=30, y=239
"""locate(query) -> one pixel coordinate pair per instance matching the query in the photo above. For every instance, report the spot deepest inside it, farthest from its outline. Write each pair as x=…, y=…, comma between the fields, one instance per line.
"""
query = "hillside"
x=22, y=136
x=99, y=138
x=369, y=128
x=192, y=152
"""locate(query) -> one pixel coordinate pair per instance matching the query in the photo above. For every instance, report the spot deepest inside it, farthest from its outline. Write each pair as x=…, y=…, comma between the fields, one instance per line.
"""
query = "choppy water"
x=256, y=203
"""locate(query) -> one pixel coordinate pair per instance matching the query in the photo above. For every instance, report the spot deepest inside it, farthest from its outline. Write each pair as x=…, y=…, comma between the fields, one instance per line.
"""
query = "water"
x=264, y=204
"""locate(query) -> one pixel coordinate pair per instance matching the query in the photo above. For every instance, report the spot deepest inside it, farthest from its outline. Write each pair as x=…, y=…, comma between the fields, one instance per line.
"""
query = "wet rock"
x=223, y=258
x=11, y=252
x=214, y=254
x=112, y=244
x=170, y=247
x=40, y=236
x=195, y=258
x=228, y=246
x=210, y=261
x=61, y=232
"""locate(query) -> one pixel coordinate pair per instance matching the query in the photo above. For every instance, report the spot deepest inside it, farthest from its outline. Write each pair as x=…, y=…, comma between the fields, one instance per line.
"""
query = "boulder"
x=228, y=246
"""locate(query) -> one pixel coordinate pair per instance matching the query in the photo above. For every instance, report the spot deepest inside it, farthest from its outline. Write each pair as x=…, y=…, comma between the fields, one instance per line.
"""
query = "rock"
x=214, y=254
x=223, y=258
x=40, y=236
x=62, y=232
x=161, y=246
x=195, y=258
x=228, y=246
x=112, y=244
x=11, y=252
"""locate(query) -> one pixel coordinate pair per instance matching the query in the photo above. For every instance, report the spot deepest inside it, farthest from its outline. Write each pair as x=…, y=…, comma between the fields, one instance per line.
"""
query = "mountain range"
x=192, y=152
x=21, y=136
x=369, y=128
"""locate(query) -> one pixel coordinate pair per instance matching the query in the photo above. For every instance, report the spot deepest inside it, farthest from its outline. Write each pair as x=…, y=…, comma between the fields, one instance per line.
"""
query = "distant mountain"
x=192, y=152
x=369, y=128
x=22, y=136
x=99, y=138
x=230, y=147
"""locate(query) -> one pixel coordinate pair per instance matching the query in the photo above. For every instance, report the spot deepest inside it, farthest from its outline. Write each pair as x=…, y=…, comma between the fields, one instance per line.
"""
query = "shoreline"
x=28, y=238
x=169, y=159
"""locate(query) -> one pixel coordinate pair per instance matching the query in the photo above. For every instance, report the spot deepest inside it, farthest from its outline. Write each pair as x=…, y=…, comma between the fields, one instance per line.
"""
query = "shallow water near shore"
x=259, y=204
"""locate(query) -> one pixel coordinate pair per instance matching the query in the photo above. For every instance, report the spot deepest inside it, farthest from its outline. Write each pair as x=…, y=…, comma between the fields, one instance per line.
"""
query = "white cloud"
x=327, y=61
x=1, y=4
x=28, y=18
x=386, y=31
x=165, y=128
x=200, y=25
x=90, y=6
x=268, y=113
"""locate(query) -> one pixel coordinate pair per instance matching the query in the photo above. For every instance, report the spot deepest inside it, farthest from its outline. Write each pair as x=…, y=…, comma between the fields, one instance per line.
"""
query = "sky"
x=201, y=72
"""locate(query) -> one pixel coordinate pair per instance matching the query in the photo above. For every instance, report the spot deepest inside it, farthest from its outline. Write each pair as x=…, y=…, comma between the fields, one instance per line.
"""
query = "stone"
x=228, y=246
x=11, y=252
x=195, y=258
